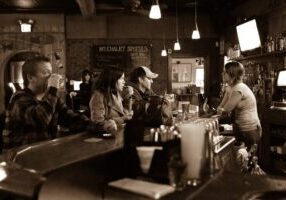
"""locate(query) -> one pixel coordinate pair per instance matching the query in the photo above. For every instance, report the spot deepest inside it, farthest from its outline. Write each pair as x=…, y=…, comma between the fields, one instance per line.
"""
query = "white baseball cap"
x=149, y=73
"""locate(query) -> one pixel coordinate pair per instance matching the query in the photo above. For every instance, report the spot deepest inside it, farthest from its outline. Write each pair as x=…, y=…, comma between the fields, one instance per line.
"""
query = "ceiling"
x=99, y=7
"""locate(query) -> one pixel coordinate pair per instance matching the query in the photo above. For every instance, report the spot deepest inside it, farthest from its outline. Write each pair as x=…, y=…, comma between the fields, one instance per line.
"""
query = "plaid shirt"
x=29, y=120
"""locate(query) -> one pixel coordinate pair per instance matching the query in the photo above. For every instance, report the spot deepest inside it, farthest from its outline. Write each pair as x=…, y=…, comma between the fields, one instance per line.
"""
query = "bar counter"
x=32, y=165
x=227, y=184
x=48, y=156
x=78, y=166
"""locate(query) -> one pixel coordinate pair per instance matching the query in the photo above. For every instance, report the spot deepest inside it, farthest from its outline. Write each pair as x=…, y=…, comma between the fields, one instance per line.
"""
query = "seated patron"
x=106, y=107
x=34, y=113
x=147, y=110
x=85, y=89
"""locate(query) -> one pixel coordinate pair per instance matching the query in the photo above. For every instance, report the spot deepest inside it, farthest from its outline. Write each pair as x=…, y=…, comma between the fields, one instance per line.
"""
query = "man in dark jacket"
x=34, y=113
x=149, y=110
x=152, y=109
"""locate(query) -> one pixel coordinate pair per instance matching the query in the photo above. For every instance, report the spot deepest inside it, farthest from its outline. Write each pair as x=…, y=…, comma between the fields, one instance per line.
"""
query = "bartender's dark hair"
x=235, y=70
x=106, y=82
x=30, y=67
x=135, y=74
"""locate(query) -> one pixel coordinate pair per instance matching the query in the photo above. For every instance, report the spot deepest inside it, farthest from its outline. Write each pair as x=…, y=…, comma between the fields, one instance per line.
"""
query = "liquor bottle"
x=281, y=42
x=272, y=44
x=268, y=44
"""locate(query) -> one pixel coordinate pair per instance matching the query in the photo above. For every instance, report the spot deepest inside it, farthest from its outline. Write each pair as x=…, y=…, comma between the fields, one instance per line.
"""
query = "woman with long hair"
x=106, y=107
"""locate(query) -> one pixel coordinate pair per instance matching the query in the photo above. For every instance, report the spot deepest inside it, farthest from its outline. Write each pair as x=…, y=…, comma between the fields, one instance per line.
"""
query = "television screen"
x=76, y=85
x=248, y=35
x=281, y=78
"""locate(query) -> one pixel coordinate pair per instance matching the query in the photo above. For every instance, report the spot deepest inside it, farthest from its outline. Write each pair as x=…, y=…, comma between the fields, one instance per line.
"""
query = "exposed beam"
x=87, y=7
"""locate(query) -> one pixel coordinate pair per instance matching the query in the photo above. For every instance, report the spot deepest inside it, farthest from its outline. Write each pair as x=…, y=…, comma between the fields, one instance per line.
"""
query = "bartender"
x=241, y=100
x=246, y=124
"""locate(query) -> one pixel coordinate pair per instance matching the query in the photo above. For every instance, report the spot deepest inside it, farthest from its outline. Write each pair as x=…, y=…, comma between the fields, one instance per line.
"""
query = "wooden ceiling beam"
x=87, y=7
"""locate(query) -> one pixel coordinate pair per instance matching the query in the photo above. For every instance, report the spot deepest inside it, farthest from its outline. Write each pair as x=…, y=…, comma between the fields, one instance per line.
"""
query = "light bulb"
x=164, y=52
x=177, y=46
x=196, y=34
x=155, y=12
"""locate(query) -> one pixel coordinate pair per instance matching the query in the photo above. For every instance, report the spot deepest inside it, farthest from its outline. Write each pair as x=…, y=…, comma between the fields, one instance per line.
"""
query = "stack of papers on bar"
x=149, y=189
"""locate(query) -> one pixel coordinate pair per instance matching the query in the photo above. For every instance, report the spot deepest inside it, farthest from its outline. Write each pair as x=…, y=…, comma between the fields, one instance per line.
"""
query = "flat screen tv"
x=281, y=79
x=248, y=35
x=76, y=85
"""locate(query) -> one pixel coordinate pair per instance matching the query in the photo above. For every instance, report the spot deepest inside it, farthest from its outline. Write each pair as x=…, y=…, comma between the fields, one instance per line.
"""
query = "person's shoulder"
x=97, y=94
x=243, y=86
x=134, y=87
x=22, y=93
x=20, y=97
x=239, y=86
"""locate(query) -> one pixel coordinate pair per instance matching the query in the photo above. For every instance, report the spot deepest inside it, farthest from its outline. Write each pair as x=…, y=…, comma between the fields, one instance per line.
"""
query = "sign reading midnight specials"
x=121, y=56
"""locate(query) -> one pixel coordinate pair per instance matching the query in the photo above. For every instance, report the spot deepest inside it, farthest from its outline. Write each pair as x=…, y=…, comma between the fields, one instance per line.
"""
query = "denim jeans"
x=248, y=137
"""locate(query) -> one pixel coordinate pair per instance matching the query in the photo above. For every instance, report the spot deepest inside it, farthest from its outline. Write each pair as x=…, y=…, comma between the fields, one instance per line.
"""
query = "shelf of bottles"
x=262, y=65
x=271, y=47
x=260, y=77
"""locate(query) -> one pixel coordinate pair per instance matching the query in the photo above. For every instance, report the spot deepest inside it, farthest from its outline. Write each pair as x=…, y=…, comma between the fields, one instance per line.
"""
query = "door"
x=187, y=73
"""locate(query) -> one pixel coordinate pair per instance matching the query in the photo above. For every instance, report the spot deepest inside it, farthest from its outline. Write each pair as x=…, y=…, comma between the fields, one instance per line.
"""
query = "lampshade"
x=164, y=52
x=196, y=34
x=177, y=46
x=155, y=12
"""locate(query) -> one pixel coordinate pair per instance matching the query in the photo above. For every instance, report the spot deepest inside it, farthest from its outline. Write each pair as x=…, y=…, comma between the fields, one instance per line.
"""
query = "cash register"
x=280, y=103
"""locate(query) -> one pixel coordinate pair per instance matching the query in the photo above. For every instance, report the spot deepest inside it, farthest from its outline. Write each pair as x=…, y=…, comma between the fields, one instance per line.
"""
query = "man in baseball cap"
x=149, y=73
x=146, y=113
x=141, y=79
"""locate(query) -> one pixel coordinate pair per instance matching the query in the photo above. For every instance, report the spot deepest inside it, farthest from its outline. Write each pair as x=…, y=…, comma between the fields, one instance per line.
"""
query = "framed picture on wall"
x=182, y=72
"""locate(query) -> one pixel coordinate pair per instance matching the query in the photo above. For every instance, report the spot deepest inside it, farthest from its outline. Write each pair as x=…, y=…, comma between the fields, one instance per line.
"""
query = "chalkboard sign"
x=126, y=57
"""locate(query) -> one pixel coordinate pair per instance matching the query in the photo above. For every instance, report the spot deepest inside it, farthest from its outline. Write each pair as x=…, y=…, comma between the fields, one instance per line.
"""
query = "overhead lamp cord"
x=196, y=18
x=177, y=20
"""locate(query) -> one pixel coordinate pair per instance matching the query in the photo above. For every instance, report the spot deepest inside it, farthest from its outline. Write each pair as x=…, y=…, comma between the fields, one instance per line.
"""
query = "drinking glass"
x=185, y=107
x=193, y=149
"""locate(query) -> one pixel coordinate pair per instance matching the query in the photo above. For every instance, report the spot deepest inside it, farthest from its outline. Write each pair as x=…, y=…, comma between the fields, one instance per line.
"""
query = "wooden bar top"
x=24, y=176
x=228, y=184
x=47, y=156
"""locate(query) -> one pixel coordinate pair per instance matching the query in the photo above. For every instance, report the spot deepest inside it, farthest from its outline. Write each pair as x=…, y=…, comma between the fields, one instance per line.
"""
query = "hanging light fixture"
x=177, y=46
x=196, y=33
x=155, y=12
x=164, y=51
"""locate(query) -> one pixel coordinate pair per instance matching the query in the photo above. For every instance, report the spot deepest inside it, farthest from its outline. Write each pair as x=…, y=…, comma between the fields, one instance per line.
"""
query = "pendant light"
x=177, y=46
x=196, y=33
x=155, y=12
x=164, y=51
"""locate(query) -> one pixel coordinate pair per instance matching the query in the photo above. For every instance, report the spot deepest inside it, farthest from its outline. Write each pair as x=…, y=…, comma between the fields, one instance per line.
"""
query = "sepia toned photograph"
x=142, y=99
